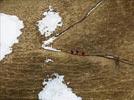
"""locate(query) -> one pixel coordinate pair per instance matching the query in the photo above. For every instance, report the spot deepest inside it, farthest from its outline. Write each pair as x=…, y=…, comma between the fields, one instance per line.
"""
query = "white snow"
x=56, y=89
x=48, y=25
x=49, y=41
x=51, y=49
x=48, y=44
x=10, y=29
x=48, y=60
x=50, y=22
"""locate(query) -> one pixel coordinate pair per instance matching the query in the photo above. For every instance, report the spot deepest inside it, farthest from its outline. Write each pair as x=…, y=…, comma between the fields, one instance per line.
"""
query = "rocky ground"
x=108, y=30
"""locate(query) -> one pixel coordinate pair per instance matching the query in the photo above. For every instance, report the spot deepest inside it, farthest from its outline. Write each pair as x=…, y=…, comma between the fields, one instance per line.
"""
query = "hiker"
x=83, y=53
x=72, y=52
x=77, y=52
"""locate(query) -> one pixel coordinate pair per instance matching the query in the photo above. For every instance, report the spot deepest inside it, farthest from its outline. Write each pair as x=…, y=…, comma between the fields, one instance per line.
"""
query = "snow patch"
x=56, y=89
x=48, y=60
x=51, y=49
x=48, y=44
x=50, y=22
x=49, y=41
x=47, y=27
x=10, y=29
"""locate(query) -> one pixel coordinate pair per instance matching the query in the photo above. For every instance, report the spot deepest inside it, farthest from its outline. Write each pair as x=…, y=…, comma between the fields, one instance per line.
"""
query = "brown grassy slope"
x=22, y=73
x=109, y=29
x=90, y=77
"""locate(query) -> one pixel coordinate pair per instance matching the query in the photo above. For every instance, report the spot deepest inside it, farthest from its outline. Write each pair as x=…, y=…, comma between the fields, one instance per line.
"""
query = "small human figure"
x=77, y=52
x=72, y=52
x=83, y=53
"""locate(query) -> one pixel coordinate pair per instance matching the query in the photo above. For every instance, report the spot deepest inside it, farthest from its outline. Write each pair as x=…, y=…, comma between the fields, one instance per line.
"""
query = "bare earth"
x=108, y=30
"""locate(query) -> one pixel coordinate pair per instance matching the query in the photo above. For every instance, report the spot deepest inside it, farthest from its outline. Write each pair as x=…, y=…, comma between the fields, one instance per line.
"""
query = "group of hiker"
x=77, y=52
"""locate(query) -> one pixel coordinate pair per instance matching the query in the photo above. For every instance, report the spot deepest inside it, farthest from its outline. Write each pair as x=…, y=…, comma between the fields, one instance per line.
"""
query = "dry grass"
x=108, y=30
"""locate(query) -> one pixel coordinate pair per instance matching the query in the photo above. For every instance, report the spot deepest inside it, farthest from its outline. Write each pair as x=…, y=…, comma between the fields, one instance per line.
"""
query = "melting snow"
x=50, y=22
x=50, y=48
x=48, y=25
x=10, y=27
x=49, y=41
x=56, y=89
x=48, y=60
